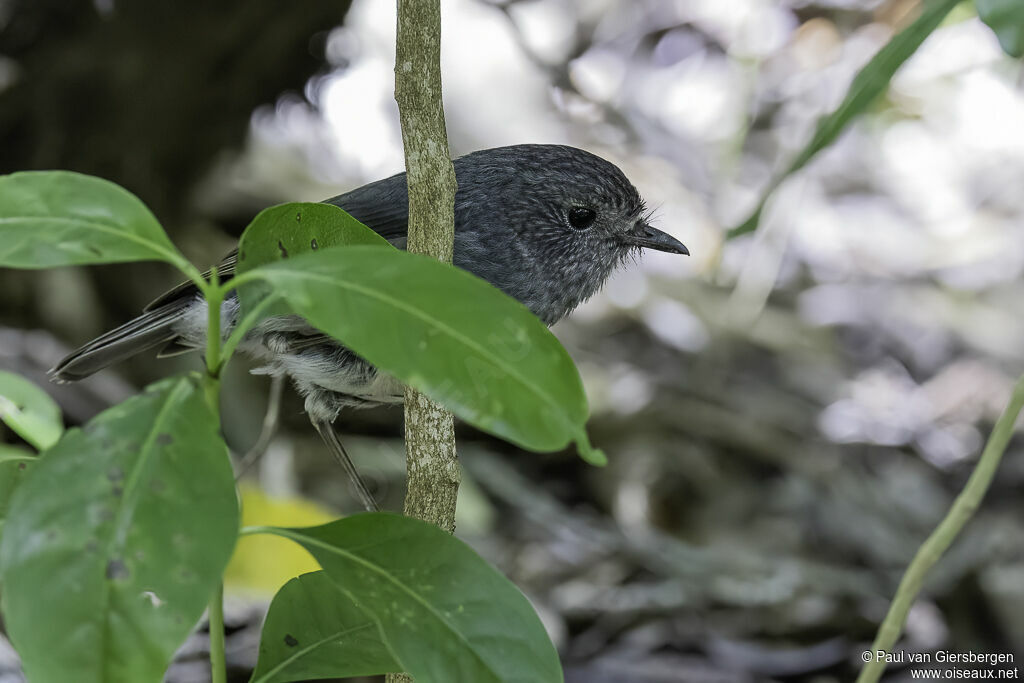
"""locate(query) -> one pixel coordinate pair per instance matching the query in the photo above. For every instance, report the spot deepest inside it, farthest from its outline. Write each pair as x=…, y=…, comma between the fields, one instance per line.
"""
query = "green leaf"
x=288, y=230
x=445, y=332
x=314, y=631
x=116, y=539
x=29, y=411
x=868, y=84
x=1006, y=18
x=59, y=218
x=445, y=614
x=298, y=228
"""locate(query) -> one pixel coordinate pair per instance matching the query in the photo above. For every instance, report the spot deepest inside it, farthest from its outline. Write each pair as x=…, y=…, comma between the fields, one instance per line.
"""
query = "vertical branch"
x=433, y=472
x=431, y=465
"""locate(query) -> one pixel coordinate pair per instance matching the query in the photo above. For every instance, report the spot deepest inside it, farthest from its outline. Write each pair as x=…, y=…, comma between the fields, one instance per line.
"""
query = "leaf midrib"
x=309, y=648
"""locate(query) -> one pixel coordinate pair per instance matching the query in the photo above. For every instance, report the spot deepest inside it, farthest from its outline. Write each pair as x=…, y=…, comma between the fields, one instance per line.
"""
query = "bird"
x=546, y=224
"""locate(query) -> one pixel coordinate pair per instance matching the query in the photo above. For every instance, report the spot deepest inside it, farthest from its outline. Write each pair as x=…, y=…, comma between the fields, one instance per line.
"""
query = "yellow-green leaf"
x=29, y=411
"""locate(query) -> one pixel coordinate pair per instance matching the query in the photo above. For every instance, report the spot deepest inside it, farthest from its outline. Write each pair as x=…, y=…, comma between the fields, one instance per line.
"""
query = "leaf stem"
x=214, y=293
x=932, y=549
x=250, y=319
x=218, y=658
x=190, y=271
x=214, y=298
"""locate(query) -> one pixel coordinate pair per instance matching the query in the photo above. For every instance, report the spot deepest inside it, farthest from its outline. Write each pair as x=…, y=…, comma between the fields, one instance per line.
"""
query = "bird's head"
x=567, y=217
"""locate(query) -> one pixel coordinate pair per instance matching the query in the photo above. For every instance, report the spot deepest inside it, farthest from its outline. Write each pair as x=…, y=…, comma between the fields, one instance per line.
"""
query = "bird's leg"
x=330, y=438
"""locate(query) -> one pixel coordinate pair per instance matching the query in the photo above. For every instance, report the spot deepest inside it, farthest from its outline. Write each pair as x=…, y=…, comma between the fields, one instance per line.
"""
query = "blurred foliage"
x=29, y=411
x=148, y=94
x=865, y=88
x=1006, y=18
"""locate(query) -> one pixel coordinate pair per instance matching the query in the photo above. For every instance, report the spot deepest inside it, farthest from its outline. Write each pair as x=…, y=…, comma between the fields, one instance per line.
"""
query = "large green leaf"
x=59, y=218
x=445, y=332
x=1006, y=18
x=868, y=84
x=313, y=631
x=116, y=539
x=29, y=411
x=445, y=614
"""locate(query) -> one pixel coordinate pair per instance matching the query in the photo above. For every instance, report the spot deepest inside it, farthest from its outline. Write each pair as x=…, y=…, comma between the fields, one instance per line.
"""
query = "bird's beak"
x=649, y=238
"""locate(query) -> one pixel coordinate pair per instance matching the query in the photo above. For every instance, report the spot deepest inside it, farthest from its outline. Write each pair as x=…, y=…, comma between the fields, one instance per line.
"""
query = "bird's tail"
x=151, y=329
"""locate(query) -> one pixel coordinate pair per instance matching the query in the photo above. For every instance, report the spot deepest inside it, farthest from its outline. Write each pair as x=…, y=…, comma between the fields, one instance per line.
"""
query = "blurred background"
x=787, y=414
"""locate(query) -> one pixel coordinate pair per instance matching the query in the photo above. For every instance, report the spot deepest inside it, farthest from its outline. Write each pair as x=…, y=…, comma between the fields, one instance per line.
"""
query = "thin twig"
x=932, y=549
x=271, y=419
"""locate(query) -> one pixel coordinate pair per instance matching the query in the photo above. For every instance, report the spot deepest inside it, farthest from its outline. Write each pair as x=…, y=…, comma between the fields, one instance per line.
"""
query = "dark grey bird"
x=546, y=224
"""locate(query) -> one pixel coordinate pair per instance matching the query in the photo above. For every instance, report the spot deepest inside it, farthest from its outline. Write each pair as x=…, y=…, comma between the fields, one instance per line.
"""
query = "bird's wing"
x=382, y=206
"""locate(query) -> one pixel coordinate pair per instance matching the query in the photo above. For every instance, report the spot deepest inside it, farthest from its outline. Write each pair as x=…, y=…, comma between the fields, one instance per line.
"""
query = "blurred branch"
x=699, y=571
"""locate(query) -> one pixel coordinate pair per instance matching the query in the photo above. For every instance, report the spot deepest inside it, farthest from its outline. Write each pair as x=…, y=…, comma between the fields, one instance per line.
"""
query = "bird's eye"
x=581, y=218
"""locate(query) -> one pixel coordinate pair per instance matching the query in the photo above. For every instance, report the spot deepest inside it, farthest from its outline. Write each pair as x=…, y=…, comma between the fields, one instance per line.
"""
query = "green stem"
x=235, y=338
x=190, y=271
x=929, y=553
x=218, y=658
x=214, y=294
x=214, y=298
